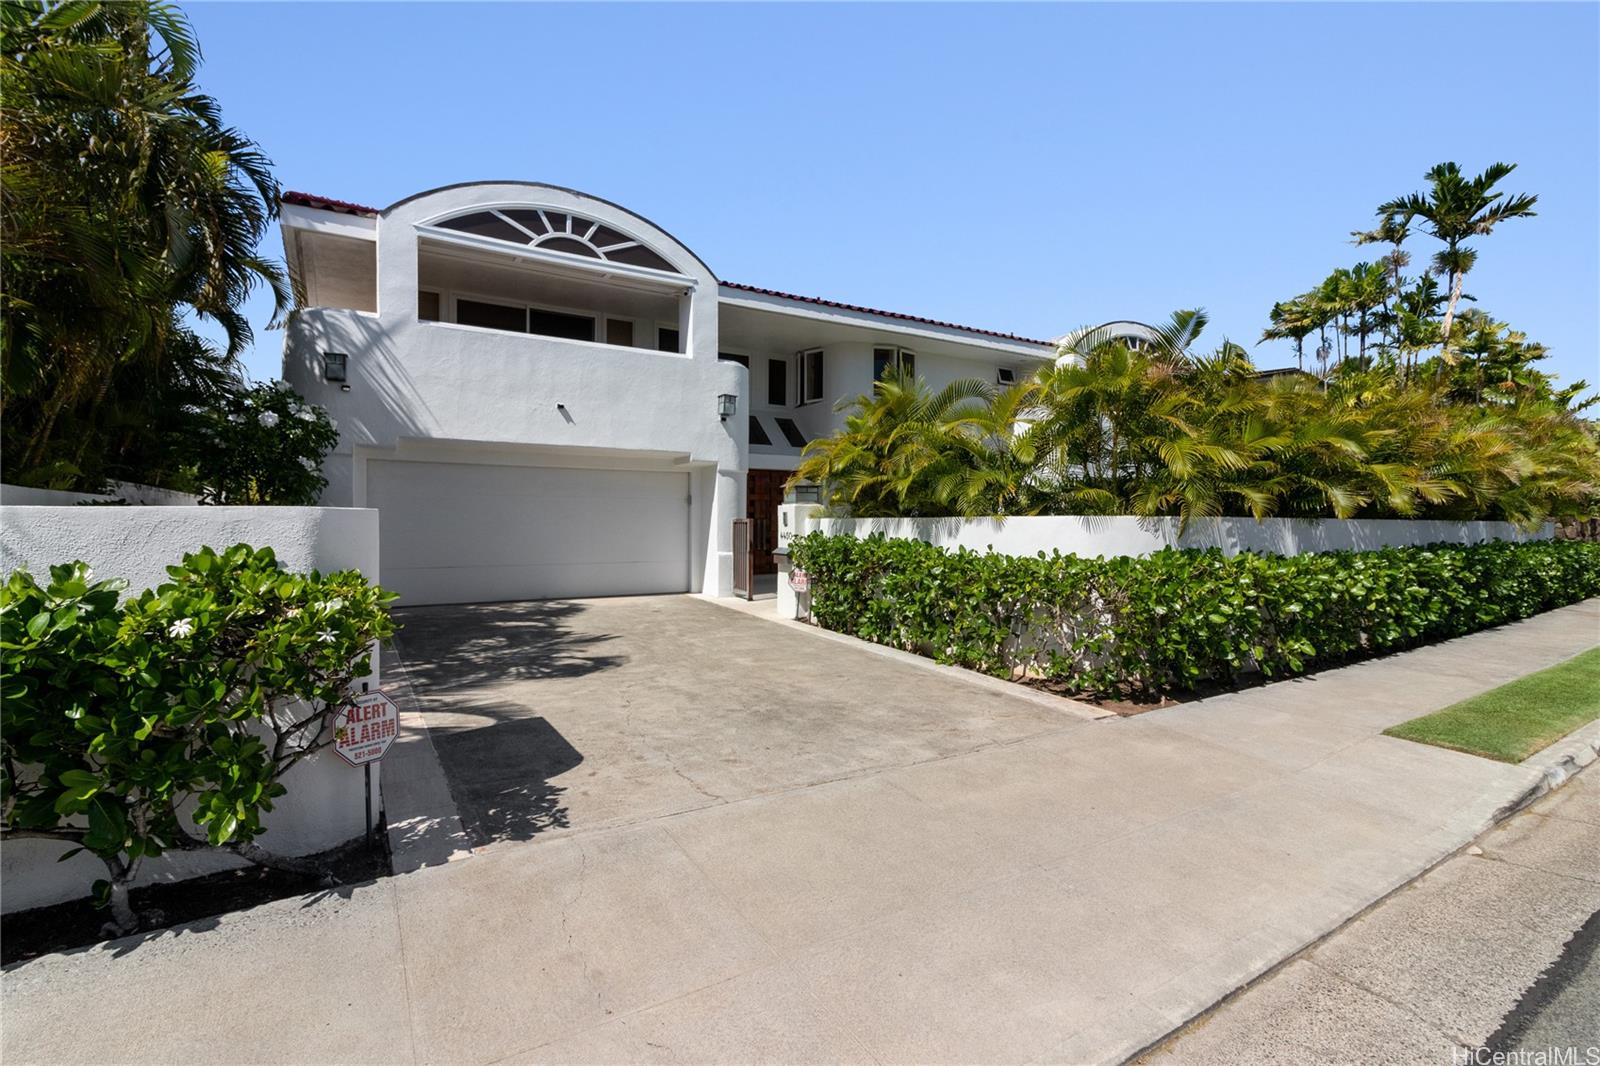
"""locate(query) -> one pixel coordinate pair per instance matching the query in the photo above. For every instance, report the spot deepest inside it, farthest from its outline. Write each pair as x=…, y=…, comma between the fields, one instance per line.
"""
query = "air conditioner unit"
x=1005, y=376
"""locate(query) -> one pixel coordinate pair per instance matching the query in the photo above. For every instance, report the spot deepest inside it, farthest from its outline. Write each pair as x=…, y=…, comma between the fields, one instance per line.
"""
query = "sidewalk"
x=1487, y=951
x=1072, y=896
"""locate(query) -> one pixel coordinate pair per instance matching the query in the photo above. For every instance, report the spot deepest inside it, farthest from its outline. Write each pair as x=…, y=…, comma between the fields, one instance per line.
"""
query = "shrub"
x=1178, y=619
x=264, y=445
x=196, y=697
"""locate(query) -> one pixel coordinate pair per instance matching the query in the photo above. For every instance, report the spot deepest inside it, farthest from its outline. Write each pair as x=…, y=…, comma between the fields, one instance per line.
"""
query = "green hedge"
x=1178, y=619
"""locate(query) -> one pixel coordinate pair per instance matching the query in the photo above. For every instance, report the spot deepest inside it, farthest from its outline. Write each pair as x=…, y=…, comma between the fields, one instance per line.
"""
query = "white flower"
x=236, y=417
x=268, y=418
x=283, y=386
x=308, y=463
x=327, y=636
x=306, y=414
x=293, y=612
x=328, y=606
x=181, y=628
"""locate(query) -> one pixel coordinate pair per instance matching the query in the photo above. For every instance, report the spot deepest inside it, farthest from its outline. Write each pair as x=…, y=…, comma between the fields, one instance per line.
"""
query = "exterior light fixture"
x=335, y=366
x=727, y=404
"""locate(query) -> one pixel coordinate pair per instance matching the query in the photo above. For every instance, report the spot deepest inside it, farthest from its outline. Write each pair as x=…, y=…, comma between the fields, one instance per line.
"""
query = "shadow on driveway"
x=500, y=773
x=468, y=645
x=499, y=756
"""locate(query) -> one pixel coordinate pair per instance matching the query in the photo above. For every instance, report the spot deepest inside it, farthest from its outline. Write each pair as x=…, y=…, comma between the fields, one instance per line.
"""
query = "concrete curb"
x=1556, y=765
x=1553, y=767
x=954, y=673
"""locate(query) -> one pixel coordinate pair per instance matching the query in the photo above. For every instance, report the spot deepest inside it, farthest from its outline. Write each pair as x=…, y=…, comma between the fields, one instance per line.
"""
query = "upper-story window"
x=810, y=375
x=886, y=361
x=520, y=318
x=777, y=383
x=557, y=231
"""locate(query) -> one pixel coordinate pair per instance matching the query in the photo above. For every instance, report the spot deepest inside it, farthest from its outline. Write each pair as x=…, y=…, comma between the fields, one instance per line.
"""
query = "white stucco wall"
x=1091, y=536
x=411, y=380
x=324, y=806
x=126, y=491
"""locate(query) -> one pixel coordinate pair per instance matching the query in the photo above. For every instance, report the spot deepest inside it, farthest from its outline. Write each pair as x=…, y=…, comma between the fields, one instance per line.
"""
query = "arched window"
x=558, y=231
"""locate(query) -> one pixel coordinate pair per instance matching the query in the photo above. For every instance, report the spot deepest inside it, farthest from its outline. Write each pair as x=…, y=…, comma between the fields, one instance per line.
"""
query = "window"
x=560, y=324
x=1005, y=376
x=492, y=316
x=668, y=340
x=729, y=357
x=810, y=375
x=886, y=361
x=428, y=306
x=791, y=432
x=619, y=331
x=777, y=383
x=758, y=432
x=557, y=231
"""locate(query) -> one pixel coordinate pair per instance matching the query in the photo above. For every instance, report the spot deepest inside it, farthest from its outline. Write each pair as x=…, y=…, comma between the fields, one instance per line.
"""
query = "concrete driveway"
x=688, y=835
x=578, y=714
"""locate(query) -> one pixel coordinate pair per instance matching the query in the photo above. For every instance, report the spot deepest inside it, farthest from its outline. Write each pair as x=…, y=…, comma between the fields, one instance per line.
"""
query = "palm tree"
x=898, y=447
x=1291, y=320
x=1393, y=232
x=1367, y=291
x=1456, y=208
x=127, y=206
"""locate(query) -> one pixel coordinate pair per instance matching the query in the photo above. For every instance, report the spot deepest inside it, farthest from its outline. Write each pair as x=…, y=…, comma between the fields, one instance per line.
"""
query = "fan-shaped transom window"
x=558, y=231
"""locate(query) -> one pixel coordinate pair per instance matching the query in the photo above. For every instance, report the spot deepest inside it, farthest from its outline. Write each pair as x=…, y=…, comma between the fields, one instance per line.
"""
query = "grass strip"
x=1513, y=721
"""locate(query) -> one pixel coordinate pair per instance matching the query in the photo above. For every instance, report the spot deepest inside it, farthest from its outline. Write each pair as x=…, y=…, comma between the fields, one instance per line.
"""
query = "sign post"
x=362, y=734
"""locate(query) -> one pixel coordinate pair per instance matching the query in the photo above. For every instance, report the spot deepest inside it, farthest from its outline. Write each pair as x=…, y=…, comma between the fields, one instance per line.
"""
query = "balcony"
x=478, y=289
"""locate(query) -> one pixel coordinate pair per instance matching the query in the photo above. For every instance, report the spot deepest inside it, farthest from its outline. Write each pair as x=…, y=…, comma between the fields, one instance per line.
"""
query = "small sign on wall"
x=364, y=730
x=799, y=580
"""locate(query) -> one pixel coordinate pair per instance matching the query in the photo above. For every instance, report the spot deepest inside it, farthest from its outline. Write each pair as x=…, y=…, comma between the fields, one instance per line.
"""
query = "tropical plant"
x=127, y=723
x=126, y=207
x=1454, y=209
x=1162, y=430
x=1293, y=320
x=898, y=446
x=264, y=445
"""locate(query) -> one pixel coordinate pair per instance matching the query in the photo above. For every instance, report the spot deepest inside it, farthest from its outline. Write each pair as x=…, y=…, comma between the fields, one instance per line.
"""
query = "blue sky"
x=1029, y=168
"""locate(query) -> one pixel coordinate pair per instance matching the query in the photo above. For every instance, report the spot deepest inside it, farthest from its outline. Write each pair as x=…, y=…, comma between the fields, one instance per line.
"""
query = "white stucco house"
x=545, y=394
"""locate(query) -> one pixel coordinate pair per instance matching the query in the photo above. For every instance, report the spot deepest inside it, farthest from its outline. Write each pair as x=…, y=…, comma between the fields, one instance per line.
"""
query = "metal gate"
x=743, y=583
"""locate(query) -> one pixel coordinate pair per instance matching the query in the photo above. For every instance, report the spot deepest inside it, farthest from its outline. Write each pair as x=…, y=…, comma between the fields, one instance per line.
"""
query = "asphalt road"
x=1493, y=957
x=1562, y=1009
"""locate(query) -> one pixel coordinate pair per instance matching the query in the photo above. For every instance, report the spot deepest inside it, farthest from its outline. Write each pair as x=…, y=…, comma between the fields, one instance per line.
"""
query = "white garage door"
x=474, y=532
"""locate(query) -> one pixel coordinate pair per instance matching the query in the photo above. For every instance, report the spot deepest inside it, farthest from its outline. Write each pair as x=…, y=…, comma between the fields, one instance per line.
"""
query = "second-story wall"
x=414, y=379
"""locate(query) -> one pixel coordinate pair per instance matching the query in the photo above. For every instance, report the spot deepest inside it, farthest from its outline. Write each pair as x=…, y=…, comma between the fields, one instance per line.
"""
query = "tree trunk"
x=262, y=857
x=1456, y=278
x=123, y=920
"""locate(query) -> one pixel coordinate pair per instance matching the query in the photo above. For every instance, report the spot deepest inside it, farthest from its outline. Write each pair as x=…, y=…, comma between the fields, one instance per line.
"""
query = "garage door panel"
x=420, y=585
x=465, y=532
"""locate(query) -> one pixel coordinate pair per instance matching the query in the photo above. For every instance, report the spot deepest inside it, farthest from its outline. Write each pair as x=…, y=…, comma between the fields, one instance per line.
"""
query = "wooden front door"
x=763, y=492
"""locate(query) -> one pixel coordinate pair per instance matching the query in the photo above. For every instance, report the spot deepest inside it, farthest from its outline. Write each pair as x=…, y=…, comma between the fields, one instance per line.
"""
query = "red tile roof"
x=886, y=314
x=344, y=207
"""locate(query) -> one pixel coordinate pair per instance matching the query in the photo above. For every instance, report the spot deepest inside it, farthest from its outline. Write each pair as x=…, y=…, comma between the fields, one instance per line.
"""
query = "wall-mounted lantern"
x=727, y=404
x=335, y=367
